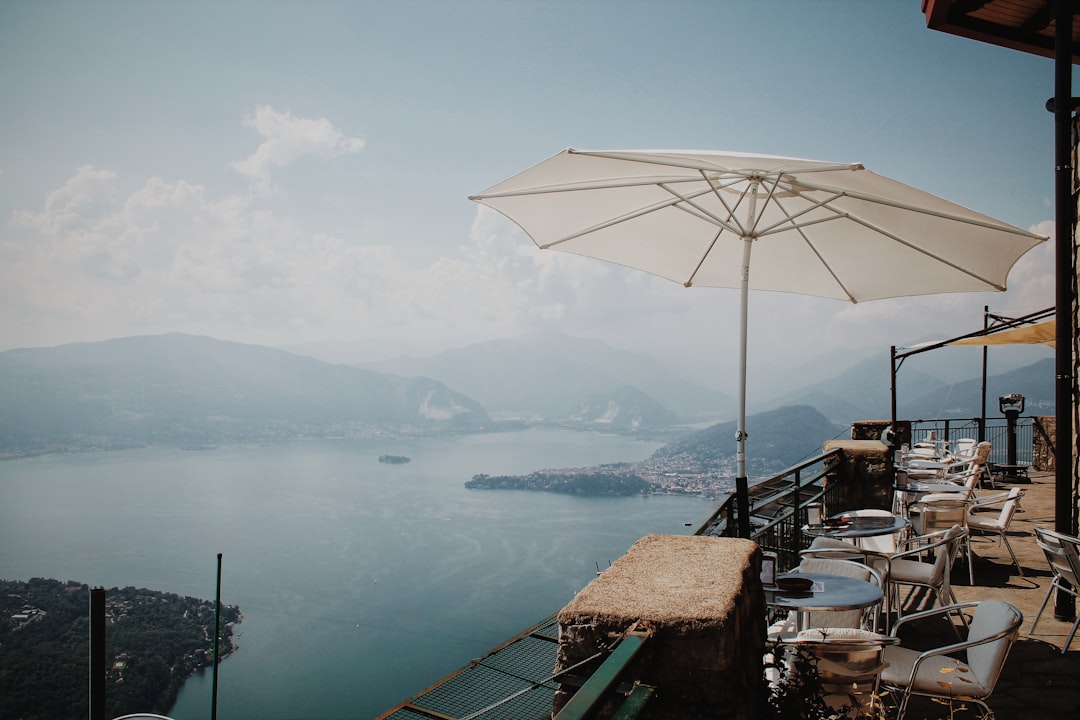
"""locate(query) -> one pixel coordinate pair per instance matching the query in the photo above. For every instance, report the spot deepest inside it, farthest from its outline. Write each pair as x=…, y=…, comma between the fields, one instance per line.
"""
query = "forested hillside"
x=154, y=641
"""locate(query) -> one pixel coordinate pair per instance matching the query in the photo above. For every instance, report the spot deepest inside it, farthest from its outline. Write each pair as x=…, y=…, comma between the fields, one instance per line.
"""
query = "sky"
x=297, y=174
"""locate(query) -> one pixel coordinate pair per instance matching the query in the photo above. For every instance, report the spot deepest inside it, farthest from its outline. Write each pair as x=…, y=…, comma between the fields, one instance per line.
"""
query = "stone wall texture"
x=702, y=599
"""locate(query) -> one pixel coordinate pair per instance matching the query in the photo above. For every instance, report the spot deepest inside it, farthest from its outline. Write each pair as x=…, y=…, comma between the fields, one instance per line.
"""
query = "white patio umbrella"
x=827, y=229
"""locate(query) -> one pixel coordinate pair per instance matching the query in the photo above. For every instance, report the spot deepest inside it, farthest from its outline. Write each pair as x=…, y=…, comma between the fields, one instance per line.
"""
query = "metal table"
x=829, y=592
x=861, y=526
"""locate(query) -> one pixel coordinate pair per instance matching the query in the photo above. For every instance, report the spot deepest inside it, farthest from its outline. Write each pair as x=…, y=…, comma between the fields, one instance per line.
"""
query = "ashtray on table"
x=794, y=583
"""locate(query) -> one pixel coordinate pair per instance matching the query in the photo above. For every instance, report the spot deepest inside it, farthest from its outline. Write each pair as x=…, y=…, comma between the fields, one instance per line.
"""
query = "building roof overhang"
x=1026, y=25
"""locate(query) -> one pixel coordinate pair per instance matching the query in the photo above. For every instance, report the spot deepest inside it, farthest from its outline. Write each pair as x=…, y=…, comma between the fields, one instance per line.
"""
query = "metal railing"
x=778, y=504
x=778, y=507
x=996, y=431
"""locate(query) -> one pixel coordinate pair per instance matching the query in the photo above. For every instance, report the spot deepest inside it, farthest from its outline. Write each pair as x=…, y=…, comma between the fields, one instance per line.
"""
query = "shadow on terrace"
x=611, y=666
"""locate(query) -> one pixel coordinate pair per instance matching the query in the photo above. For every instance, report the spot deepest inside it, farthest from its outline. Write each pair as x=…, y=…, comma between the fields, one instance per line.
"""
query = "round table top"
x=916, y=486
x=829, y=592
x=861, y=526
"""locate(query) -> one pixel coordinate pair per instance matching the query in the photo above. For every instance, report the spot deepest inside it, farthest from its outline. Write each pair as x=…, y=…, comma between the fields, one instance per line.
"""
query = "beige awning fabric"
x=1044, y=333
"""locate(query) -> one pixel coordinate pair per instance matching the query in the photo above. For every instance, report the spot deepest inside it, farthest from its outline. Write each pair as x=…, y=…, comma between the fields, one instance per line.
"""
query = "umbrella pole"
x=742, y=485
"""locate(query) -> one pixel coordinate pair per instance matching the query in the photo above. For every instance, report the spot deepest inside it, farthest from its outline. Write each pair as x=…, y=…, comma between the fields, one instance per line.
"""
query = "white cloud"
x=287, y=139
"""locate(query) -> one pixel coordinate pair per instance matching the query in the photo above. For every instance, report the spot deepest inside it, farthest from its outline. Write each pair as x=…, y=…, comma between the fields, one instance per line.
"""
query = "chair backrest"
x=964, y=448
x=1062, y=553
x=845, y=654
x=1008, y=509
x=945, y=543
x=877, y=543
x=846, y=568
x=941, y=513
x=991, y=617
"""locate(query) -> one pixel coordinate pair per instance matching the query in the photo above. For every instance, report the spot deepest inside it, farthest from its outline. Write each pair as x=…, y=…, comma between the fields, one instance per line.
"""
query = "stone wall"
x=702, y=599
x=875, y=429
x=1042, y=450
x=868, y=470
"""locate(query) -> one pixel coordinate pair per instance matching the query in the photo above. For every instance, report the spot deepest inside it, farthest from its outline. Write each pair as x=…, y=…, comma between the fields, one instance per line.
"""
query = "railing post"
x=796, y=517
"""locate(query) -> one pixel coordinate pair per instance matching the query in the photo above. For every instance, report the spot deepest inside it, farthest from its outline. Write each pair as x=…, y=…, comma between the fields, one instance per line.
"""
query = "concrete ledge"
x=703, y=600
x=854, y=448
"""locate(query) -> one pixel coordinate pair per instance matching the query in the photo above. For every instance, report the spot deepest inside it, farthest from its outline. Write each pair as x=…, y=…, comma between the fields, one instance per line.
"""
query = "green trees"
x=154, y=641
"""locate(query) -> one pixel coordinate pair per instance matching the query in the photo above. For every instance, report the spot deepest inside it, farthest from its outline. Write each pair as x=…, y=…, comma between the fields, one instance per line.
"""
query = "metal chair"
x=849, y=665
x=939, y=512
x=1063, y=554
x=967, y=670
x=999, y=524
x=906, y=568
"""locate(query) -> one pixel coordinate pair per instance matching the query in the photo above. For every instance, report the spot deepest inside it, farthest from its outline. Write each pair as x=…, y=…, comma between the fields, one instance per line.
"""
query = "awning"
x=1044, y=333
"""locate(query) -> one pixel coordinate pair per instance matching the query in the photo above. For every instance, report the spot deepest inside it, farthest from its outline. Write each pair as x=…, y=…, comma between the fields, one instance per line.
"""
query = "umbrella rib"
x=604, y=184
x=701, y=163
x=878, y=200
x=738, y=229
x=626, y=217
x=927, y=253
x=813, y=248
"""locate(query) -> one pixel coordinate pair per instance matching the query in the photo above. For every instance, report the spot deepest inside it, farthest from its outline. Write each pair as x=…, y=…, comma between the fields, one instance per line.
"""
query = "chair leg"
x=971, y=567
x=1068, y=640
x=1046, y=599
x=1016, y=562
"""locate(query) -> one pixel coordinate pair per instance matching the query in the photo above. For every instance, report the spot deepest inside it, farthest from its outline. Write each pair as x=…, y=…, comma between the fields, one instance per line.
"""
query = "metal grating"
x=530, y=658
x=512, y=682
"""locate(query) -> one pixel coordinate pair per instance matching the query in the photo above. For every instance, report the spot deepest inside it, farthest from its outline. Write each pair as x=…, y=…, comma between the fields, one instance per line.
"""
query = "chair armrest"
x=931, y=613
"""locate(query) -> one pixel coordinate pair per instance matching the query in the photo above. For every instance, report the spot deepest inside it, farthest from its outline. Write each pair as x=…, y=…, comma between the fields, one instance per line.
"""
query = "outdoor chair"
x=938, y=512
x=906, y=568
x=864, y=618
x=954, y=469
x=996, y=524
x=849, y=665
x=905, y=497
x=967, y=670
x=1063, y=554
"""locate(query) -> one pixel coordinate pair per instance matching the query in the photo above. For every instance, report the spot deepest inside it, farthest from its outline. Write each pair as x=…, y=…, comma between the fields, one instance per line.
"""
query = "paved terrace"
x=1038, y=682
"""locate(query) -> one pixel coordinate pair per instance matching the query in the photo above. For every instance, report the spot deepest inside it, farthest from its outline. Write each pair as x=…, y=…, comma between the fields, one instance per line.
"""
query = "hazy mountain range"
x=196, y=391
x=188, y=390
x=550, y=374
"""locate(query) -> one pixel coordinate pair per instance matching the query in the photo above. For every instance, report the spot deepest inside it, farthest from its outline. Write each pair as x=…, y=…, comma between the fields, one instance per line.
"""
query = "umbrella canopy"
x=827, y=229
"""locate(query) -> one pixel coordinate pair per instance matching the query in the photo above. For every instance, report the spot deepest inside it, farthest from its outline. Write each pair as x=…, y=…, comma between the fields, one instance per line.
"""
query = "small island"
x=394, y=459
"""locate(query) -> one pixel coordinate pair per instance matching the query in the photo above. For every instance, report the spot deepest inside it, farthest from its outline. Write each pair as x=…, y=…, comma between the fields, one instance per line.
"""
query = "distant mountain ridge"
x=193, y=390
x=624, y=408
x=777, y=440
x=549, y=375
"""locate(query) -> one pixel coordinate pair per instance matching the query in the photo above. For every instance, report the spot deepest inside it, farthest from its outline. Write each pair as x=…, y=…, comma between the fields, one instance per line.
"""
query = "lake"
x=360, y=582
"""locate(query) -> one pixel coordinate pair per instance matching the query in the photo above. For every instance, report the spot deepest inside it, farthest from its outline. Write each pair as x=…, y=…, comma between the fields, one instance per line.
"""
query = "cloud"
x=93, y=262
x=287, y=139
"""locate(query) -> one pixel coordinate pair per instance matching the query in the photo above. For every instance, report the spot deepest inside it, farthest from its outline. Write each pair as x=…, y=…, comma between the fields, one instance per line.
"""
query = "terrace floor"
x=1038, y=681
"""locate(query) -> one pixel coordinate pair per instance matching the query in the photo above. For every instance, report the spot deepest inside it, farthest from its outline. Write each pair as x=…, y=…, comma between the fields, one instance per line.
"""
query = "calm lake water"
x=361, y=583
